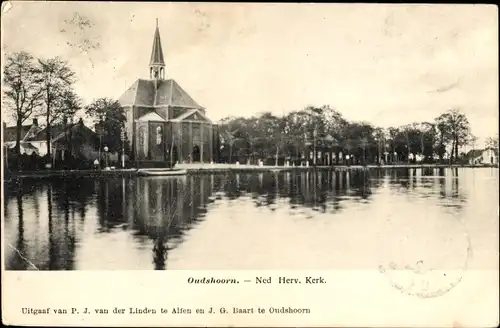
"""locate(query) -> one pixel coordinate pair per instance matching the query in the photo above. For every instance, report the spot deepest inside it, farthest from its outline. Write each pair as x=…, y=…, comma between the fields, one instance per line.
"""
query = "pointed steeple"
x=157, y=63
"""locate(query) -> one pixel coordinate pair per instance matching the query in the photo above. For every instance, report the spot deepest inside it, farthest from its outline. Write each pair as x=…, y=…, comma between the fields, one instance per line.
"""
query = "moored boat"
x=161, y=172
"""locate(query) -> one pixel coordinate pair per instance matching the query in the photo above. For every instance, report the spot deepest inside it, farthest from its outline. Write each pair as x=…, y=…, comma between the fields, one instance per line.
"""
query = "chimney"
x=4, y=125
x=35, y=122
x=80, y=121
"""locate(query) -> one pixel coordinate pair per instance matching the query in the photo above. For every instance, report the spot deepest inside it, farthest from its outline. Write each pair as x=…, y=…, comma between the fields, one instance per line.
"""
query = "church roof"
x=156, y=52
x=169, y=93
x=192, y=114
x=151, y=116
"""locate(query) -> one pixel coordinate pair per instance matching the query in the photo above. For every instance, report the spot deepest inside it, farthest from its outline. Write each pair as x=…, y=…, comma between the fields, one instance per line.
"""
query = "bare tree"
x=457, y=127
x=472, y=141
x=379, y=135
x=229, y=137
x=492, y=142
x=65, y=108
x=425, y=130
x=56, y=78
x=67, y=105
x=110, y=116
x=406, y=130
x=363, y=143
x=22, y=92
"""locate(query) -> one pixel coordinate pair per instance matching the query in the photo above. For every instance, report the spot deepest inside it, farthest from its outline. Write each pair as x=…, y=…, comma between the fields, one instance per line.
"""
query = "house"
x=73, y=139
x=27, y=131
x=78, y=141
x=164, y=123
x=474, y=156
x=490, y=156
x=483, y=156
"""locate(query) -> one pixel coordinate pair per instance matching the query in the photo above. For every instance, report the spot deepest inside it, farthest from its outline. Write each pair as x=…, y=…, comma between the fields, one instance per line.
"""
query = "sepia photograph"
x=209, y=136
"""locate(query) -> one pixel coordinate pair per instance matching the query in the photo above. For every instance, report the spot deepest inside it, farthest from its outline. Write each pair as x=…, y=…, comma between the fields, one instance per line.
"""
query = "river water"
x=304, y=220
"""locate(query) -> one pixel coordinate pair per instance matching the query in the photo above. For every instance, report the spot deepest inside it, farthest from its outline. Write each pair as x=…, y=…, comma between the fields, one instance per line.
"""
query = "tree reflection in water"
x=52, y=218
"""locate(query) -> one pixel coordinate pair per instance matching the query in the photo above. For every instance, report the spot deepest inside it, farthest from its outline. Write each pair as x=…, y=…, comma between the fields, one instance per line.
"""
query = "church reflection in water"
x=157, y=209
x=48, y=221
x=52, y=217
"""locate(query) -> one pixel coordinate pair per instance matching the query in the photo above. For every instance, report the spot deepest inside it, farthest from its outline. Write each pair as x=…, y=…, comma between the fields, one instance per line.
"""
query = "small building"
x=164, y=124
x=78, y=141
x=483, y=156
x=72, y=145
x=73, y=139
x=474, y=156
x=27, y=131
x=490, y=156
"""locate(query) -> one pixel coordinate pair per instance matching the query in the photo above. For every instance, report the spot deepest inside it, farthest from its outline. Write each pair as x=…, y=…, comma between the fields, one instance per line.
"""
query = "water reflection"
x=138, y=223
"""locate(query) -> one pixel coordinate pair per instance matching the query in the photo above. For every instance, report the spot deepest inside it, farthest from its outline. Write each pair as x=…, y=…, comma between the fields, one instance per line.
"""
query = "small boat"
x=161, y=172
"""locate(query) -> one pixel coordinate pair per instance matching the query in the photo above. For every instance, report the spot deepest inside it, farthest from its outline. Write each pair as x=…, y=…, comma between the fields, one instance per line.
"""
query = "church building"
x=164, y=124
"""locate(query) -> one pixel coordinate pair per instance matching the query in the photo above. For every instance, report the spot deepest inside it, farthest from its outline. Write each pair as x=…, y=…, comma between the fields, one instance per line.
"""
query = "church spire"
x=157, y=64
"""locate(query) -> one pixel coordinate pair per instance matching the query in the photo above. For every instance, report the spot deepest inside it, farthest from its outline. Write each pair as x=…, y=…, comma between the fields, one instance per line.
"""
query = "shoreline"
x=217, y=168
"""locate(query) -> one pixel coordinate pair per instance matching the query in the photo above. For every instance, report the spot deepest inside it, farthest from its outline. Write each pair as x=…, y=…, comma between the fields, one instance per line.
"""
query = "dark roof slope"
x=76, y=128
x=57, y=131
x=40, y=135
x=169, y=93
x=9, y=132
x=474, y=153
x=479, y=152
x=157, y=52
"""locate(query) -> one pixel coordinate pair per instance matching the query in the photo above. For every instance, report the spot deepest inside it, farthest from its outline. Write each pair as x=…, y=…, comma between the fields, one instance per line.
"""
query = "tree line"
x=319, y=131
x=45, y=87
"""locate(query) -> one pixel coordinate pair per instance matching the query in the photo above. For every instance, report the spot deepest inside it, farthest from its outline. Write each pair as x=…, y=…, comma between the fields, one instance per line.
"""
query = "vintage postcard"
x=249, y=164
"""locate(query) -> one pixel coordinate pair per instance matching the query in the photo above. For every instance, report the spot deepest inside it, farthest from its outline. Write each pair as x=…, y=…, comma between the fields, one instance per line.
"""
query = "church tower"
x=164, y=124
x=157, y=64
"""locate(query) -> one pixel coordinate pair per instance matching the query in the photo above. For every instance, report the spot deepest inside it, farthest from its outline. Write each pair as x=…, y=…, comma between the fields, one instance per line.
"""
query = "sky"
x=386, y=64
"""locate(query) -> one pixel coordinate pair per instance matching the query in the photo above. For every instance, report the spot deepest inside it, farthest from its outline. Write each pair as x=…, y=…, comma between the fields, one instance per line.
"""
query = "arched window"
x=158, y=135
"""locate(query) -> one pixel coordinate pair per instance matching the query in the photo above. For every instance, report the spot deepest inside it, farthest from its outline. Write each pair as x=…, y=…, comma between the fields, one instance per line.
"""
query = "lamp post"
x=315, y=133
x=6, y=149
x=106, y=154
x=98, y=130
x=122, y=137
